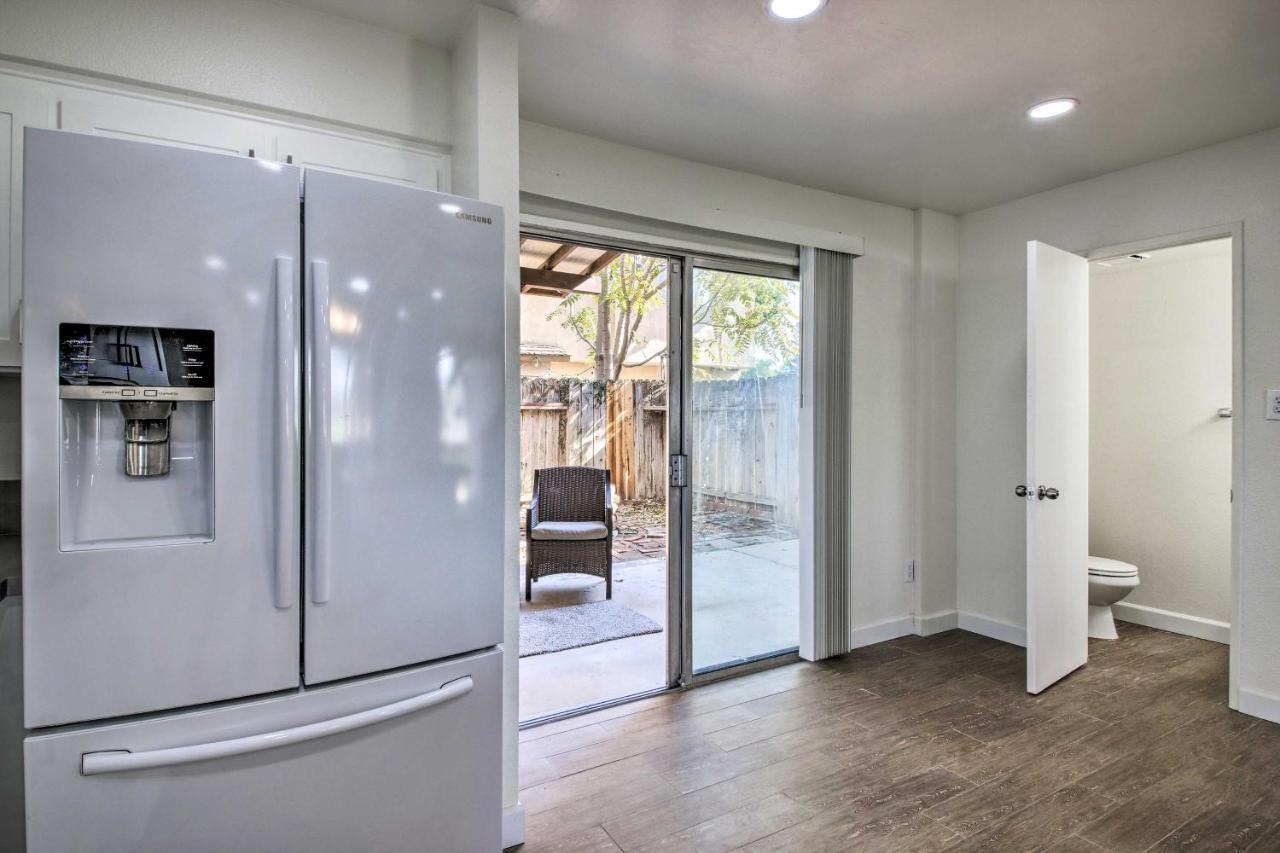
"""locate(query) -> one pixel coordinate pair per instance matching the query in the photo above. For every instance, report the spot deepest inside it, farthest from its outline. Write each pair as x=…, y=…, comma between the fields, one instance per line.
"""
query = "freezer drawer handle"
x=119, y=761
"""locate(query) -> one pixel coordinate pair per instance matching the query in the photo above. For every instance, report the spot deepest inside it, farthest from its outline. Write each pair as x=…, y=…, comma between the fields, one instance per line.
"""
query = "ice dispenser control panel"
x=127, y=363
x=136, y=454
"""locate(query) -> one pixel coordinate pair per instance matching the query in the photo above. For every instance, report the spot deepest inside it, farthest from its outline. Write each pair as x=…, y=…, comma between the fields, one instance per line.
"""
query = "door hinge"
x=679, y=470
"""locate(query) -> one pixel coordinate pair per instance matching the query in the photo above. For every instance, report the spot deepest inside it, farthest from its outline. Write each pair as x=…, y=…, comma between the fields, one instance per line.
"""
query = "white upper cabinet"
x=29, y=101
x=363, y=158
x=19, y=108
x=163, y=122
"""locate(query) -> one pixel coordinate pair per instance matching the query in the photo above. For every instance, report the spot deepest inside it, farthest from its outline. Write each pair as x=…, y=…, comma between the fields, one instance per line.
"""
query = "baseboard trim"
x=1178, y=623
x=513, y=826
x=936, y=623
x=1260, y=705
x=878, y=632
x=993, y=628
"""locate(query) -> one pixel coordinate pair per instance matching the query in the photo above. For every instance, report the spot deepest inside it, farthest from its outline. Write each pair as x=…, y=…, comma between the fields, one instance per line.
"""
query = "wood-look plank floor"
x=919, y=744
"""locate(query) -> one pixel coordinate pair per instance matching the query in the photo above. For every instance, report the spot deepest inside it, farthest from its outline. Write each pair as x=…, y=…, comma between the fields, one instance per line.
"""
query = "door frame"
x=683, y=260
x=1235, y=232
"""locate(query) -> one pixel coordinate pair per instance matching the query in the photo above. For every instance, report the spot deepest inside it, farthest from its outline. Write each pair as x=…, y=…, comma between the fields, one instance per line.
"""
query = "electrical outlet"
x=1273, y=405
x=911, y=571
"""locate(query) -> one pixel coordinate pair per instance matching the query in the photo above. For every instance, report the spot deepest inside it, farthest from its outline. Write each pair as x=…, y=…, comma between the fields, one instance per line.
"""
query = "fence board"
x=745, y=437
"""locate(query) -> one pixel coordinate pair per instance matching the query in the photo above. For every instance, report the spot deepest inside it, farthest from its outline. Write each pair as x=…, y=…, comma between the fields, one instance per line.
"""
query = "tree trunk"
x=602, y=329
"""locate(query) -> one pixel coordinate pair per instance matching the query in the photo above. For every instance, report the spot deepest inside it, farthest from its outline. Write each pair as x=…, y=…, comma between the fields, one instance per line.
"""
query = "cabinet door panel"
x=364, y=158
x=19, y=109
x=145, y=120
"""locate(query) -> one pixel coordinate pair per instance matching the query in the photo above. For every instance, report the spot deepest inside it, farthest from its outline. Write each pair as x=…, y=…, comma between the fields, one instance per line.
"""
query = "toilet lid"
x=1111, y=568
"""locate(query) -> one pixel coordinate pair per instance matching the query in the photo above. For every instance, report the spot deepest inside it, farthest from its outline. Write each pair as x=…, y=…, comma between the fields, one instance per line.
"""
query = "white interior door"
x=1057, y=484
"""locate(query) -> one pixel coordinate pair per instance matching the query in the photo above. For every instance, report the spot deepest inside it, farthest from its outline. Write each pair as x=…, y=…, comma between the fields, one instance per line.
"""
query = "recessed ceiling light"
x=791, y=10
x=1054, y=108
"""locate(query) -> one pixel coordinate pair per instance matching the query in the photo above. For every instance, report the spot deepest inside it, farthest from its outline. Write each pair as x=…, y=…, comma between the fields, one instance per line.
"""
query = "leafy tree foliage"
x=734, y=315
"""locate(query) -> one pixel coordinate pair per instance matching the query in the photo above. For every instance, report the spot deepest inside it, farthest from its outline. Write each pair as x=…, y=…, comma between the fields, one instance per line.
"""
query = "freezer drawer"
x=405, y=761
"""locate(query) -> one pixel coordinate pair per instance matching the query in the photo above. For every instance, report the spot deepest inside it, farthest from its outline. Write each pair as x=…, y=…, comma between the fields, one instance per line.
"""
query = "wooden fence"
x=745, y=438
x=745, y=449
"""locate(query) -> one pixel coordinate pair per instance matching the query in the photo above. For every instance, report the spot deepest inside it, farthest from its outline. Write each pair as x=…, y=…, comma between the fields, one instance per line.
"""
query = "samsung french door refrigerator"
x=262, y=488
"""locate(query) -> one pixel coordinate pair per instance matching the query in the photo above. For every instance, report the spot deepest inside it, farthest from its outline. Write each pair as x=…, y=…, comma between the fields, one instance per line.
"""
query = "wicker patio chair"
x=569, y=525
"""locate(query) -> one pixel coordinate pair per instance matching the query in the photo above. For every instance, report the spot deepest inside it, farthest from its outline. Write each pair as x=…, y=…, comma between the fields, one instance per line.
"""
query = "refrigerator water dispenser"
x=137, y=436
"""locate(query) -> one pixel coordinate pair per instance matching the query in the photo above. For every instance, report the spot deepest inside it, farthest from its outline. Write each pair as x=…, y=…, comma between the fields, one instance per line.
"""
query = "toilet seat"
x=1105, y=568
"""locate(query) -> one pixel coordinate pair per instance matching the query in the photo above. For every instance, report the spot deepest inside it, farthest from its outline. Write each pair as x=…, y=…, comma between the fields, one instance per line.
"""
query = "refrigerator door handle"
x=319, y=391
x=287, y=437
x=120, y=761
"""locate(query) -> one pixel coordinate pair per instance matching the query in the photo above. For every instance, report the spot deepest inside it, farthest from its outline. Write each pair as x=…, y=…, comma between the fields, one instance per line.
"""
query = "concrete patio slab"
x=746, y=603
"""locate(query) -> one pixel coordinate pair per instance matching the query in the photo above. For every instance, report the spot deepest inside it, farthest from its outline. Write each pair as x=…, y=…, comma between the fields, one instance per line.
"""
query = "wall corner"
x=936, y=262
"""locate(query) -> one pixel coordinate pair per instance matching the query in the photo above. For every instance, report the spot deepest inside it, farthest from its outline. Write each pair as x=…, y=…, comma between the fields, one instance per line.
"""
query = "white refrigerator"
x=262, y=506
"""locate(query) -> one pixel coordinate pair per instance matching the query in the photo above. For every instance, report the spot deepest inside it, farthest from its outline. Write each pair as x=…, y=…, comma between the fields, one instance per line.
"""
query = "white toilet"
x=1109, y=581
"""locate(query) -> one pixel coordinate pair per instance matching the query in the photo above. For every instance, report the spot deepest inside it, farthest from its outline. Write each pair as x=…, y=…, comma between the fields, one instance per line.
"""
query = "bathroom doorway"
x=1134, y=365
x=1160, y=439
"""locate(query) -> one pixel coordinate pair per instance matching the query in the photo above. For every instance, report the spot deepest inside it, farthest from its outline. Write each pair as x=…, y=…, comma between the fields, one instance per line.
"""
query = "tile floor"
x=920, y=744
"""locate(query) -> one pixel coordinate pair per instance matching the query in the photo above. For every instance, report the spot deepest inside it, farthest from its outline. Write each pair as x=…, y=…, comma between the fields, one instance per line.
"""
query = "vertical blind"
x=832, y=363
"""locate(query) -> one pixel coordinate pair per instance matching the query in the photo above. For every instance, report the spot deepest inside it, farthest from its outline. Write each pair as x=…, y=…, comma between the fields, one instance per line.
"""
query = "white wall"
x=587, y=171
x=1159, y=455
x=1237, y=181
x=255, y=52
x=487, y=166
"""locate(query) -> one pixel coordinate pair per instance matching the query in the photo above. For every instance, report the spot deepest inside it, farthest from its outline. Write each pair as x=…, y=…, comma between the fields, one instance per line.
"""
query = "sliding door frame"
x=679, y=495
x=681, y=265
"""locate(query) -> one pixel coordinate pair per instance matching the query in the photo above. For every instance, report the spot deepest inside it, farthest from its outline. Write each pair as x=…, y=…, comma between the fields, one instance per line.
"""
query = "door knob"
x=1049, y=493
x=1021, y=490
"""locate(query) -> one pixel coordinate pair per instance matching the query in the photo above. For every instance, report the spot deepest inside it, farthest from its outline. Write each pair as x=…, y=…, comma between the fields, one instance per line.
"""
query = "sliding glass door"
x=676, y=380
x=742, y=425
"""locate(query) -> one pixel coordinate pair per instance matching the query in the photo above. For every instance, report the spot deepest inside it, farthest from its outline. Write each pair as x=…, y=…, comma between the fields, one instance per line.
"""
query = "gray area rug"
x=560, y=628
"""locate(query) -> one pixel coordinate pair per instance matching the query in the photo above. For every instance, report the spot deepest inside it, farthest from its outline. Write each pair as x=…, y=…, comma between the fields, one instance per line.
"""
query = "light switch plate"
x=1273, y=405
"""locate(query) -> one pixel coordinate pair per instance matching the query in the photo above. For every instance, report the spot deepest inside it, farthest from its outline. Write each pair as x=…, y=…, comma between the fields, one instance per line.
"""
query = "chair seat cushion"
x=572, y=530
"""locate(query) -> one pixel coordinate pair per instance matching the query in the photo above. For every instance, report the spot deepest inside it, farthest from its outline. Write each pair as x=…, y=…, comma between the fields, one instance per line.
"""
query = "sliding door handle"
x=320, y=389
x=121, y=761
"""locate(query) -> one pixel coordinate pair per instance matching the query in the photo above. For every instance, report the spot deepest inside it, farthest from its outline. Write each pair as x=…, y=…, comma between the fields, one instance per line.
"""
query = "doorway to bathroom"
x=1133, y=445
x=1160, y=418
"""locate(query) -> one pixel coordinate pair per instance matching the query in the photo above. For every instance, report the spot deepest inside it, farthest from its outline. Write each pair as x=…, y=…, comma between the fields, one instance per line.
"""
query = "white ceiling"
x=433, y=21
x=915, y=102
